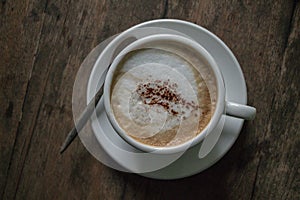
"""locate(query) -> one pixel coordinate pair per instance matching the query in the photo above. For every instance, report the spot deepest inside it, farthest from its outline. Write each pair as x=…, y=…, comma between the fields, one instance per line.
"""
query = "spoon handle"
x=84, y=117
x=91, y=107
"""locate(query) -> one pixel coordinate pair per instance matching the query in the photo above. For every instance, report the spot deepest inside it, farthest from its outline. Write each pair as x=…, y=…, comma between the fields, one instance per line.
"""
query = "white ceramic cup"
x=222, y=107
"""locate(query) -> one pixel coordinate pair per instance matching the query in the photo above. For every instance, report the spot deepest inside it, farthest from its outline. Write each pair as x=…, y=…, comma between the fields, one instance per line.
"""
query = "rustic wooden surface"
x=43, y=42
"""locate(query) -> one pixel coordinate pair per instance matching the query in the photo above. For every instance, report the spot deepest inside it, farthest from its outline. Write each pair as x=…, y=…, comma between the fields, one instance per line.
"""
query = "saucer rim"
x=244, y=100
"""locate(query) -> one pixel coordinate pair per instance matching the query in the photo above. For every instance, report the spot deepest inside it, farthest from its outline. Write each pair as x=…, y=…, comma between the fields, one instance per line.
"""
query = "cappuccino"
x=163, y=96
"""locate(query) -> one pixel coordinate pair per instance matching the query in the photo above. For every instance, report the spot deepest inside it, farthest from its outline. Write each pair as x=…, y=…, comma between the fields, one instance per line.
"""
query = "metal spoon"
x=88, y=111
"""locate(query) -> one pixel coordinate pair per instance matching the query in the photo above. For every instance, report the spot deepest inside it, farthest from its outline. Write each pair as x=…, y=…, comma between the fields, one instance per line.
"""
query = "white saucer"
x=189, y=163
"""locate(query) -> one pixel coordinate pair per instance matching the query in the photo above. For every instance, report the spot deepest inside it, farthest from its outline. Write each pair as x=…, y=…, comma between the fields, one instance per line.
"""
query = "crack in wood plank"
x=166, y=9
x=29, y=144
x=255, y=178
x=289, y=30
x=10, y=160
x=124, y=190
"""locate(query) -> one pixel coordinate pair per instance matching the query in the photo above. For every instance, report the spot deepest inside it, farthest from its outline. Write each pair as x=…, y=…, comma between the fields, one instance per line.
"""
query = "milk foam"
x=157, y=93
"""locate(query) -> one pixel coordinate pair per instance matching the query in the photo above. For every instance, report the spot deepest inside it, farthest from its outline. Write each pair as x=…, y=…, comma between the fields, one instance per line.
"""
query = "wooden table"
x=42, y=44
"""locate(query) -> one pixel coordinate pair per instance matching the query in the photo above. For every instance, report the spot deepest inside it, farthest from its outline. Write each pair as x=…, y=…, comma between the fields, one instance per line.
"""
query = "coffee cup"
x=165, y=93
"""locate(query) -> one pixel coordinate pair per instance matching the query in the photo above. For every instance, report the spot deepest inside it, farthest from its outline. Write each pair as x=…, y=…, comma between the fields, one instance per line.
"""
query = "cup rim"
x=220, y=103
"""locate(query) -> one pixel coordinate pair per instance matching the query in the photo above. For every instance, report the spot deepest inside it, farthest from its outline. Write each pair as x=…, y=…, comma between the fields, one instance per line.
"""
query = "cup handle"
x=240, y=111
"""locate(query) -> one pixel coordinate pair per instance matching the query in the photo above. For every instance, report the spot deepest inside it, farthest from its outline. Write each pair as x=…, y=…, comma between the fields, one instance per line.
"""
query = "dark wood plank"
x=42, y=44
x=18, y=47
x=279, y=163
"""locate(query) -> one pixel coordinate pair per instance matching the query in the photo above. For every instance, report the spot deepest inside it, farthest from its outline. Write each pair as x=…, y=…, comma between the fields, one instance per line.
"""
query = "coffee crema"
x=162, y=96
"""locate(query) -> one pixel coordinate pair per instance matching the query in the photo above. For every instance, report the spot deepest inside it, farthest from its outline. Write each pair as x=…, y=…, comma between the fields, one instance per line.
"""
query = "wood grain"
x=42, y=44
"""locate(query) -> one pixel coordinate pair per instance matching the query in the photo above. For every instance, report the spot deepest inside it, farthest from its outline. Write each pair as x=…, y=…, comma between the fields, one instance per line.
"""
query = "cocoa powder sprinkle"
x=162, y=93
